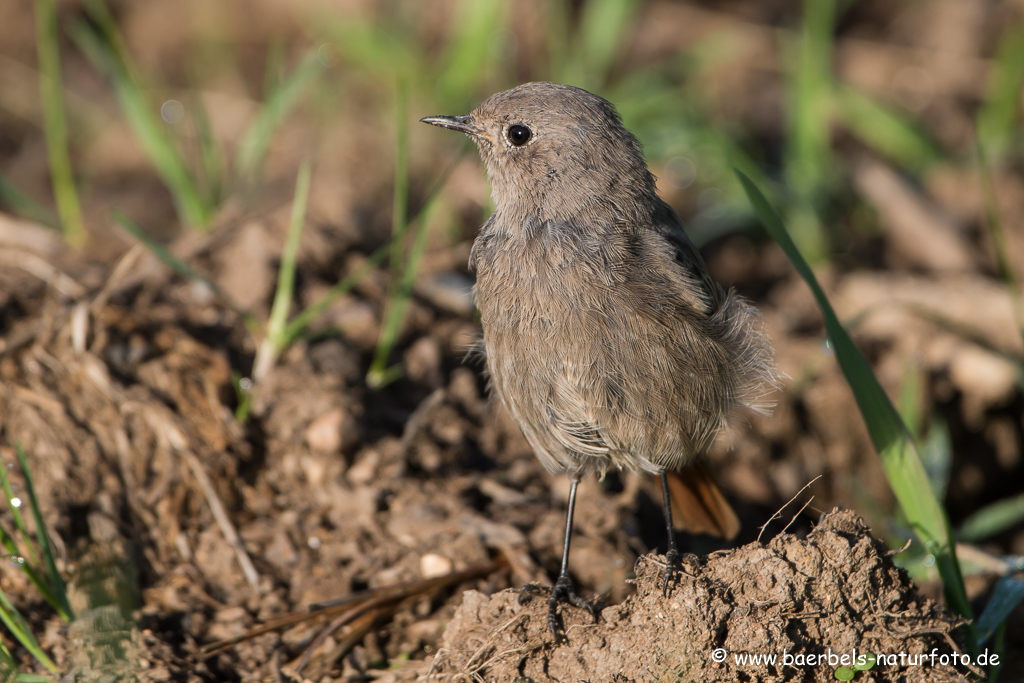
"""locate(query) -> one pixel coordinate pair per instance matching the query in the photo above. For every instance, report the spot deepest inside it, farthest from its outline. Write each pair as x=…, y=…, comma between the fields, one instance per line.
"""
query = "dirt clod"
x=834, y=594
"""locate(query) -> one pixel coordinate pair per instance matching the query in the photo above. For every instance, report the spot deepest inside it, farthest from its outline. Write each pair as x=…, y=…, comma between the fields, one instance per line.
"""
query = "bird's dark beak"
x=463, y=124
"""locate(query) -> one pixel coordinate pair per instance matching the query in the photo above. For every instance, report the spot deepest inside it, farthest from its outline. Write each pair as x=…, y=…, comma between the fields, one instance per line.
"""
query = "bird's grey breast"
x=543, y=290
x=536, y=275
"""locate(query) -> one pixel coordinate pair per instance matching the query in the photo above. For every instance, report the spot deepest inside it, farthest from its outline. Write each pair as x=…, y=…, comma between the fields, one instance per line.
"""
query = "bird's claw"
x=671, y=558
x=562, y=591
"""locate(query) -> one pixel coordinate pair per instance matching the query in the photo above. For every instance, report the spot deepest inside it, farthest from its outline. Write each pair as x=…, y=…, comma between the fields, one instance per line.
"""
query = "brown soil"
x=834, y=594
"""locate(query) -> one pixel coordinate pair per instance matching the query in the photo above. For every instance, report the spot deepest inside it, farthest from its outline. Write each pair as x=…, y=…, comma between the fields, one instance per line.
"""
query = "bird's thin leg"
x=563, y=587
x=672, y=554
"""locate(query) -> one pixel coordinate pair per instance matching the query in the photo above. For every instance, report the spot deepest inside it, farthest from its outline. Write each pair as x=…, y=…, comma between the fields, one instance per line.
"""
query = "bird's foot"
x=562, y=591
x=671, y=558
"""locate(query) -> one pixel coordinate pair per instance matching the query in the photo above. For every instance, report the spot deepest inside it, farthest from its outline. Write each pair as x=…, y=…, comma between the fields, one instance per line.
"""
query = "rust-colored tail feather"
x=698, y=505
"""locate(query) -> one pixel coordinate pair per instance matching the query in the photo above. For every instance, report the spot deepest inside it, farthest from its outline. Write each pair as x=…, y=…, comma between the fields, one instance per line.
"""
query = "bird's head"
x=556, y=152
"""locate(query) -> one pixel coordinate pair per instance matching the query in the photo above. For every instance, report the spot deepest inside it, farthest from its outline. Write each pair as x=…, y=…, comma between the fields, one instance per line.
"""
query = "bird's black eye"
x=519, y=134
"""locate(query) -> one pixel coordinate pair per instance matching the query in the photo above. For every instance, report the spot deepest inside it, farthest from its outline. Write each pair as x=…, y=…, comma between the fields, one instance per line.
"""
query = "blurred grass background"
x=887, y=136
x=343, y=64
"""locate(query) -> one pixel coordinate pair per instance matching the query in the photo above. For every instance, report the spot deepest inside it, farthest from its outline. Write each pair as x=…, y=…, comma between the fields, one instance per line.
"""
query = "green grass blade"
x=6, y=539
x=163, y=254
x=992, y=519
x=471, y=54
x=148, y=127
x=23, y=205
x=286, y=275
x=1008, y=593
x=809, y=146
x=6, y=659
x=56, y=582
x=937, y=455
x=812, y=88
x=19, y=520
x=910, y=401
x=20, y=629
x=998, y=115
x=934, y=446
x=276, y=67
x=398, y=305
x=275, y=339
x=895, y=446
x=9, y=670
x=299, y=323
x=17, y=552
x=212, y=161
x=252, y=149
x=884, y=130
x=584, y=57
x=55, y=124
x=106, y=24
x=243, y=394
x=400, y=197
x=399, y=228
x=556, y=23
x=998, y=237
x=603, y=26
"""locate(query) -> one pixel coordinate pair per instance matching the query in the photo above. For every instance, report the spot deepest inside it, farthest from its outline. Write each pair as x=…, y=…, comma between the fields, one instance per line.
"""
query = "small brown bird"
x=606, y=339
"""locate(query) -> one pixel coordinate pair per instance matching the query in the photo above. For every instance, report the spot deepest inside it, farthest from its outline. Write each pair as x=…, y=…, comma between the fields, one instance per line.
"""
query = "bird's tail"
x=749, y=379
x=698, y=505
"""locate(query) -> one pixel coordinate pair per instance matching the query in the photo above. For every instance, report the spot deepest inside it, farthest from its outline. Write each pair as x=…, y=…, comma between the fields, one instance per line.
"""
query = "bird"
x=605, y=337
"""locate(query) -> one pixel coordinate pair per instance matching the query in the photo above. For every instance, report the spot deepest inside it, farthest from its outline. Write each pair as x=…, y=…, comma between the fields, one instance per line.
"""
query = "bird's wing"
x=670, y=226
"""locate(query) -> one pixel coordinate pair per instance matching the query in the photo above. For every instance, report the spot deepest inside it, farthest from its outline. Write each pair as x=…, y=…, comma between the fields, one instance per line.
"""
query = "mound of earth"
x=807, y=603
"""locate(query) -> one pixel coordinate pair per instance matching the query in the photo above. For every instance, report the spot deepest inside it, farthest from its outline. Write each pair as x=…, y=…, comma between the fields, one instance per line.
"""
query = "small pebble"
x=433, y=565
x=324, y=433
